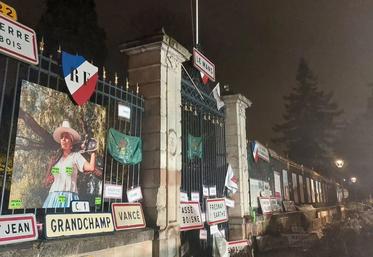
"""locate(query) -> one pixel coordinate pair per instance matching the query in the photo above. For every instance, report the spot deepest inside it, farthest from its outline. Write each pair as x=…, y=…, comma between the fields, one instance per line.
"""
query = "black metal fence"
x=47, y=74
x=200, y=118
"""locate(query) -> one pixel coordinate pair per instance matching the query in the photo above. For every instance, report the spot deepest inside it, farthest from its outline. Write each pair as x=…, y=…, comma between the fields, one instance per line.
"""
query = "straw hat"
x=65, y=127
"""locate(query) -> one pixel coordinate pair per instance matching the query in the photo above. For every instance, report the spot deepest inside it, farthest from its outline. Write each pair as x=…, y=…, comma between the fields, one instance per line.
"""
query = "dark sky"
x=255, y=45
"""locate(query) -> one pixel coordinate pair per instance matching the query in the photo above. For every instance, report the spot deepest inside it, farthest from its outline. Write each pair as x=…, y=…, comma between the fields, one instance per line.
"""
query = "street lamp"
x=353, y=179
x=339, y=163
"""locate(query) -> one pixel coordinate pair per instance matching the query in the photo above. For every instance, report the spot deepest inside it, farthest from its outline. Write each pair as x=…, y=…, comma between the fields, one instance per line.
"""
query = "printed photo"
x=59, y=150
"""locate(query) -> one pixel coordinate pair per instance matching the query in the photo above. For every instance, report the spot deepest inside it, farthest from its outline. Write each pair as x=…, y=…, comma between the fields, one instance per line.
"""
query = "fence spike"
x=41, y=45
x=137, y=88
x=127, y=84
x=116, y=79
x=103, y=73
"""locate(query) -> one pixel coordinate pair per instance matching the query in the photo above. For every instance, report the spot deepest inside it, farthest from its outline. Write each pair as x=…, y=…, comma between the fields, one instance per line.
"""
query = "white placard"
x=203, y=234
x=214, y=229
x=229, y=202
x=205, y=191
x=184, y=197
x=203, y=216
x=190, y=214
x=80, y=206
x=17, y=228
x=134, y=194
x=18, y=41
x=195, y=196
x=216, y=211
x=212, y=191
x=124, y=111
x=112, y=191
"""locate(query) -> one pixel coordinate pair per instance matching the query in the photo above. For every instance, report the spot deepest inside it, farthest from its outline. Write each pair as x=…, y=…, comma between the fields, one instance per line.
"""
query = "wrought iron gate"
x=200, y=118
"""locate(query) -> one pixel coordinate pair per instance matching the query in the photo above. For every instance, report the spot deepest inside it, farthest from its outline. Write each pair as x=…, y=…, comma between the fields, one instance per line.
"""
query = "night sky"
x=255, y=45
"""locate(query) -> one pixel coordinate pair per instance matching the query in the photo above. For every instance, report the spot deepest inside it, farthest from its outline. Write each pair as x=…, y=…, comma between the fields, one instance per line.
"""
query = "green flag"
x=124, y=149
x=194, y=147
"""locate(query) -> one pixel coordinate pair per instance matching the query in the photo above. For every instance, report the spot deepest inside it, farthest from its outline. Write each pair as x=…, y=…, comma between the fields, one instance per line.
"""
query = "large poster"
x=58, y=152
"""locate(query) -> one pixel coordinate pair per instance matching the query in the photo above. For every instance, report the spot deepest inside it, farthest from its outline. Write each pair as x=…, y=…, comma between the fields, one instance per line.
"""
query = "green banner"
x=123, y=148
x=195, y=147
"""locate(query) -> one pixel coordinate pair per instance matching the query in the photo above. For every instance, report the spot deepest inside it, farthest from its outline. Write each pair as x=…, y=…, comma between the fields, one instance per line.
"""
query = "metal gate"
x=47, y=74
x=201, y=118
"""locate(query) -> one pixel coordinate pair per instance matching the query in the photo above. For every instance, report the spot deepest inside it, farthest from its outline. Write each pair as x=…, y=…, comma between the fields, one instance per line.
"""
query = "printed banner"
x=128, y=216
x=80, y=77
x=50, y=125
x=190, y=213
x=123, y=148
x=57, y=225
x=216, y=211
x=259, y=151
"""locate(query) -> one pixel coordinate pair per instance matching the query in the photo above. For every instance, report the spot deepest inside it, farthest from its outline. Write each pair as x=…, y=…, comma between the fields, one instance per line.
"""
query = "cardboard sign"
x=214, y=229
x=18, y=41
x=124, y=111
x=289, y=205
x=237, y=246
x=17, y=228
x=276, y=205
x=190, y=214
x=195, y=196
x=79, y=206
x=216, y=211
x=134, y=194
x=212, y=191
x=205, y=191
x=203, y=64
x=59, y=225
x=203, y=234
x=112, y=191
x=184, y=197
x=128, y=216
x=260, y=151
x=265, y=204
x=229, y=202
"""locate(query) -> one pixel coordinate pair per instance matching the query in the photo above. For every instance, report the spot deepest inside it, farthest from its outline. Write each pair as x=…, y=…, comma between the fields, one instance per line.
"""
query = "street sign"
x=203, y=64
x=216, y=211
x=190, y=214
x=18, y=41
x=7, y=10
x=128, y=216
x=17, y=228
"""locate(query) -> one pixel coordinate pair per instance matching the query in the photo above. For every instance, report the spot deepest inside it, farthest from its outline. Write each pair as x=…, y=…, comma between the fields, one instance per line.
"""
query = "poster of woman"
x=59, y=150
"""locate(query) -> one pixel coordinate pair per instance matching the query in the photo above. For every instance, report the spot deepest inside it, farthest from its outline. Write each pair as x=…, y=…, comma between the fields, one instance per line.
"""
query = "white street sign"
x=203, y=64
x=18, y=41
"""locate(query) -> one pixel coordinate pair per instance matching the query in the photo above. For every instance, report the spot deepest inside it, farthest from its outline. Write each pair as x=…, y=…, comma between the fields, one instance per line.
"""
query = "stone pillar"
x=236, y=148
x=155, y=64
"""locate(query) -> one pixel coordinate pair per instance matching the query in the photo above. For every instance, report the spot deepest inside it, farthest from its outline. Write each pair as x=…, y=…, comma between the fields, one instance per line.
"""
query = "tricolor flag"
x=216, y=94
x=255, y=148
x=231, y=180
x=80, y=77
x=204, y=78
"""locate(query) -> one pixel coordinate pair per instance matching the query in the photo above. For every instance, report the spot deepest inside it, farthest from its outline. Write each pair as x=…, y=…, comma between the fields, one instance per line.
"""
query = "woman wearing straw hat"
x=63, y=170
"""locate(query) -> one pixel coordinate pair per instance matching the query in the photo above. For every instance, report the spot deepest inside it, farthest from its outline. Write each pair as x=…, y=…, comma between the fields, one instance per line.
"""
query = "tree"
x=73, y=25
x=309, y=125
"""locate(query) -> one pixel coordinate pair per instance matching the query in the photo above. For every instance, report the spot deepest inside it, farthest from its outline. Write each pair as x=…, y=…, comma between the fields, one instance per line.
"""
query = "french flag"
x=80, y=77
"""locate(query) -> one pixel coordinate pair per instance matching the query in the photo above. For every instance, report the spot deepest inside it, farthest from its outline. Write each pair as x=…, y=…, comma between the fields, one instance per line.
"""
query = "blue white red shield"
x=80, y=77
